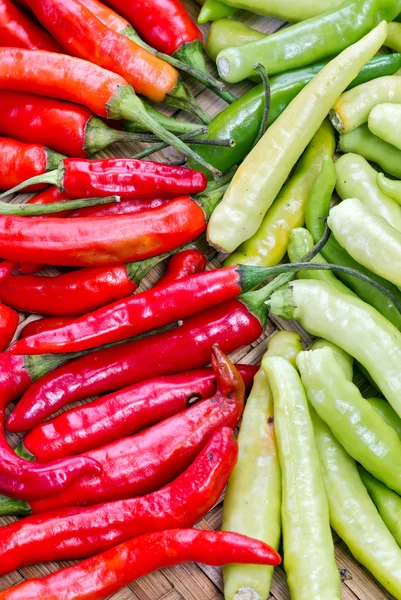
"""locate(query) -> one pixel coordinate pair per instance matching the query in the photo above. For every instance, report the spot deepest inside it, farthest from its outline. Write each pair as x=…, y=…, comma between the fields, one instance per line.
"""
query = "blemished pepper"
x=357, y=426
x=212, y=10
x=385, y=122
x=252, y=502
x=254, y=187
x=291, y=10
x=181, y=265
x=72, y=533
x=350, y=323
x=123, y=413
x=385, y=410
x=307, y=541
x=103, y=575
x=315, y=39
x=269, y=244
x=241, y=121
x=368, y=238
x=18, y=31
x=137, y=465
x=362, y=141
x=353, y=515
x=356, y=178
x=393, y=39
x=317, y=208
x=75, y=80
x=390, y=187
x=300, y=243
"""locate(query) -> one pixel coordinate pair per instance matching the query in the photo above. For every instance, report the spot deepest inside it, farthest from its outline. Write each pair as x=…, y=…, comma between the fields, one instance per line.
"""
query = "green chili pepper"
x=368, y=238
x=225, y=33
x=305, y=43
x=317, y=208
x=356, y=178
x=308, y=545
x=344, y=360
x=352, y=513
x=241, y=120
x=363, y=142
x=357, y=426
x=383, y=408
x=385, y=122
x=269, y=244
x=390, y=187
x=266, y=168
x=350, y=323
x=393, y=39
x=289, y=10
x=212, y=10
x=252, y=504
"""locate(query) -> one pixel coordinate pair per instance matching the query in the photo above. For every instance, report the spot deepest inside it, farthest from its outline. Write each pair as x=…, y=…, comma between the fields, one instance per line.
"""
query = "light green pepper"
x=383, y=408
x=212, y=10
x=356, y=178
x=357, y=426
x=385, y=122
x=363, y=142
x=227, y=33
x=390, y=187
x=289, y=10
x=308, y=545
x=368, y=238
x=344, y=360
x=252, y=504
x=393, y=39
x=350, y=323
x=352, y=513
x=260, y=177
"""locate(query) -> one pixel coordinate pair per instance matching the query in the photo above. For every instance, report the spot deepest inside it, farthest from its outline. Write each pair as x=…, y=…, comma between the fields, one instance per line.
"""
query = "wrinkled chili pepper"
x=67, y=128
x=83, y=35
x=229, y=324
x=107, y=573
x=17, y=31
x=137, y=465
x=144, y=312
x=123, y=413
x=19, y=161
x=108, y=240
x=75, y=80
x=74, y=293
x=80, y=532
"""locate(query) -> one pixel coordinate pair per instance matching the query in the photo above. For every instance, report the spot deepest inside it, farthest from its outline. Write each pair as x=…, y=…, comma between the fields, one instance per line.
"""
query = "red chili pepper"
x=20, y=161
x=167, y=26
x=6, y=268
x=107, y=240
x=8, y=325
x=99, y=577
x=181, y=265
x=105, y=93
x=123, y=413
x=68, y=128
x=229, y=324
x=145, y=312
x=137, y=465
x=18, y=31
x=74, y=293
x=85, y=36
x=29, y=268
x=72, y=533
x=35, y=327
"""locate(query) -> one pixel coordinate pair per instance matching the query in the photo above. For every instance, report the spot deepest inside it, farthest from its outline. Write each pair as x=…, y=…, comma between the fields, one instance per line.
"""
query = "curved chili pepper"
x=144, y=312
x=123, y=413
x=74, y=293
x=19, y=161
x=34, y=327
x=213, y=10
x=17, y=31
x=108, y=240
x=181, y=265
x=229, y=324
x=68, y=78
x=85, y=36
x=107, y=573
x=72, y=533
x=143, y=463
x=67, y=128
x=8, y=325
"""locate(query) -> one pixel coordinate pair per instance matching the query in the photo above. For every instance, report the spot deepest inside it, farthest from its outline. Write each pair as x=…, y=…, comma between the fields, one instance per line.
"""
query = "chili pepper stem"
x=182, y=98
x=138, y=270
x=169, y=123
x=15, y=508
x=259, y=68
x=51, y=177
x=53, y=159
x=191, y=53
x=31, y=210
x=228, y=143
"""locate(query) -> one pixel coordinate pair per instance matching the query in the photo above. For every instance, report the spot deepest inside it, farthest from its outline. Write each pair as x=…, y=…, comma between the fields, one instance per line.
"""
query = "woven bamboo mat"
x=196, y=581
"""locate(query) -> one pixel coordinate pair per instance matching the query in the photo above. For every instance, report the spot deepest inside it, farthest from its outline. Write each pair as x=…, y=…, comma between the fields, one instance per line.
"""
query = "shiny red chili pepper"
x=67, y=128
x=72, y=533
x=137, y=465
x=187, y=347
x=123, y=413
x=17, y=31
x=144, y=312
x=8, y=325
x=20, y=161
x=182, y=264
x=74, y=293
x=6, y=268
x=103, y=575
x=105, y=241
x=35, y=327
